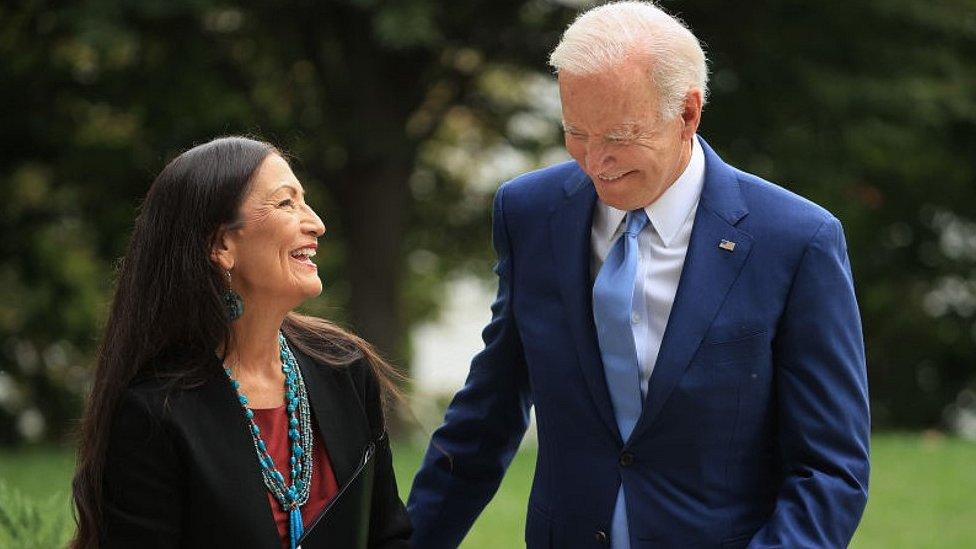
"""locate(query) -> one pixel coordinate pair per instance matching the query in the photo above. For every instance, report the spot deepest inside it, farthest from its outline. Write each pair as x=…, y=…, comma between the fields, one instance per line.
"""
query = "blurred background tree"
x=869, y=108
x=403, y=117
x=96, y=98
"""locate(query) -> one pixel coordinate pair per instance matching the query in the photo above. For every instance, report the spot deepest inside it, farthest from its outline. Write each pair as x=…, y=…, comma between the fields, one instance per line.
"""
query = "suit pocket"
x=745, y=347
x=538, y=530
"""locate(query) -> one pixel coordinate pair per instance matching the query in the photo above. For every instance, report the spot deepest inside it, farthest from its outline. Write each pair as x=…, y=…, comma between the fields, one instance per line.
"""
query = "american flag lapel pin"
x=727, y=245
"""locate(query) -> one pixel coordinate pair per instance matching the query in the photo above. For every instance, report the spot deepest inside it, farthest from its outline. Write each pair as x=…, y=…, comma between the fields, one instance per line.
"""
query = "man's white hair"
x=606, y=35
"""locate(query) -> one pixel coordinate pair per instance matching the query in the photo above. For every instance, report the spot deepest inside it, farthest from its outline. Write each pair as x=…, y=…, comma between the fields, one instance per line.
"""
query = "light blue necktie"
x=613, y=299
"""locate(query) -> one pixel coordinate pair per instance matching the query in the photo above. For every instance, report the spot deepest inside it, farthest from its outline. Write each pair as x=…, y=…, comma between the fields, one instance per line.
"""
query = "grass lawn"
x=923, y=492
x=922, y=495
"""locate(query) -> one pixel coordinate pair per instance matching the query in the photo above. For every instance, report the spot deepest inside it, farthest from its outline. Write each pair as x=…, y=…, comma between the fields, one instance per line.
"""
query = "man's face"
x=615, y=133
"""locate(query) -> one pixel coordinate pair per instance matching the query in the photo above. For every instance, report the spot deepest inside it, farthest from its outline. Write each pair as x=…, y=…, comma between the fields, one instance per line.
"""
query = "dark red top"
x=273, y=423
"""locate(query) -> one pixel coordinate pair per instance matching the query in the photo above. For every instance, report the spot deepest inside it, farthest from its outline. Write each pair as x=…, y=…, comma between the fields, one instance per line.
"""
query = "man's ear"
x=222, y=250
x=691, y=114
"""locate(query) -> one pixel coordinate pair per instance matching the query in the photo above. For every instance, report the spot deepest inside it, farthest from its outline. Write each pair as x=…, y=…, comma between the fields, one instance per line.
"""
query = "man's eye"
x=286, y=203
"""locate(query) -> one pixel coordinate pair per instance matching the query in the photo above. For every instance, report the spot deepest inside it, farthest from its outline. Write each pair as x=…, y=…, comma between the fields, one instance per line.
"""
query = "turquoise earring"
x=233, y=302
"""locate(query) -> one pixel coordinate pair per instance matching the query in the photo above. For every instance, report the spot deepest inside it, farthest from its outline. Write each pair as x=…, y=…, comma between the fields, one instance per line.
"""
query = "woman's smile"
x=303, y=256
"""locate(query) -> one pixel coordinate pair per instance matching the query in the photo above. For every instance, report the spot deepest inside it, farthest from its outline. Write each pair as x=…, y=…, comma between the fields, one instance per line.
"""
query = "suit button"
x=601, y=536
x=626, y=459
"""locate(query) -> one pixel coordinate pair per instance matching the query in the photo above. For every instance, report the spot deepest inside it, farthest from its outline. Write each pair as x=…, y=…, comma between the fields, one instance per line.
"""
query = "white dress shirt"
x=662, y=246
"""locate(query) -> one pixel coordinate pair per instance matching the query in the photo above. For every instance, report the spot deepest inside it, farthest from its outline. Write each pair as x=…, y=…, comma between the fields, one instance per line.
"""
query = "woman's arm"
x=142, y=481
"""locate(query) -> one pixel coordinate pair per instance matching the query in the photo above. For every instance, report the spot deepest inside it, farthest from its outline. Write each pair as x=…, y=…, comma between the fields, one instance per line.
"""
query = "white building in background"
x=442, y=350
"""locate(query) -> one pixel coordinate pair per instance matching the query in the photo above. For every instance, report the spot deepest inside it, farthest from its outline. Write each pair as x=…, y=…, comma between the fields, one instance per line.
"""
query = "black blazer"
x=185, y=474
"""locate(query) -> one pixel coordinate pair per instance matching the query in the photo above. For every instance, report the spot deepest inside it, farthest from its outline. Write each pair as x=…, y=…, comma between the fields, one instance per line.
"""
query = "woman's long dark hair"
x=168, y=306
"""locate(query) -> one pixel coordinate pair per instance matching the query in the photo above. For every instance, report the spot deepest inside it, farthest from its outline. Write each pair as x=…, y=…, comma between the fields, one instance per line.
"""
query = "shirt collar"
x=670, y=211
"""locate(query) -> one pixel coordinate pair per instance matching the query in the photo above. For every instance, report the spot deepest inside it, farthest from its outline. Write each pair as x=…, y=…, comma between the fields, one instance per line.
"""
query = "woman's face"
x=272, y=253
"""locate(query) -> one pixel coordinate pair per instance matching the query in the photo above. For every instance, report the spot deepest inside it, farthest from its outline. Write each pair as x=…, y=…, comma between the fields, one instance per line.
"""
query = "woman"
x=218, y=417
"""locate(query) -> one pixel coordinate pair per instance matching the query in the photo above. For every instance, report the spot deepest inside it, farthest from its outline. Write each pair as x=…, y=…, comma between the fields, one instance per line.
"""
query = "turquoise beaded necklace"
x=291, y=498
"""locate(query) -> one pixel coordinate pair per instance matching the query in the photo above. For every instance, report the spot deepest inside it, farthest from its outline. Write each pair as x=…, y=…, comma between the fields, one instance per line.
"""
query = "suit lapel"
x=708, y=273
x=570, y=235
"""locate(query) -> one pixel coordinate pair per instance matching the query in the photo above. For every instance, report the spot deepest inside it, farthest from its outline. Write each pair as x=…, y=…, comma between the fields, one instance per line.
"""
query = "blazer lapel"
x=340, y=416
x=341, y=422
x=708, y=273
x=570, y=235
x=239, y=461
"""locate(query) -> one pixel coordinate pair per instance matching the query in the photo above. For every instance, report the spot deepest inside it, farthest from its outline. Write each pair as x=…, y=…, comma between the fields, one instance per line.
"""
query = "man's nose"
x=598, y=156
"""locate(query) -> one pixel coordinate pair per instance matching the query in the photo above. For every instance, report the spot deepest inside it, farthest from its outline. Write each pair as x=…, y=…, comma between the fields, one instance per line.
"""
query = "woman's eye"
x=286, y=203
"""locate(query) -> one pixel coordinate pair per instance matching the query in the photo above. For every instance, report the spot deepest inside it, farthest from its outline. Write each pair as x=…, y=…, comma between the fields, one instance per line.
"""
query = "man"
x=687, y=332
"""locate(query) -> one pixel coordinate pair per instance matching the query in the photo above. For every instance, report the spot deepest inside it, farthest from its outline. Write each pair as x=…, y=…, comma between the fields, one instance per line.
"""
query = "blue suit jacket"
x=755, y=428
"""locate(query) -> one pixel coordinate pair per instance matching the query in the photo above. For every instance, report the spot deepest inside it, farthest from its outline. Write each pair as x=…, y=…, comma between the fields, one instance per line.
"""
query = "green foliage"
x=404, y=117
x=29, y=523
x=97, y=98
x=869, y=109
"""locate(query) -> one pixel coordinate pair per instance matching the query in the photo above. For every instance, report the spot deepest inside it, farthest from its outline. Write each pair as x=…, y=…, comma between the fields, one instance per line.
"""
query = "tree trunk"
x=374, y=210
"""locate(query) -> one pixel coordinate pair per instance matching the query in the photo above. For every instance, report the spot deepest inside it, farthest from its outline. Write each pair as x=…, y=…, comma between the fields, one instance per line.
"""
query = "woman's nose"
x=313, y=223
